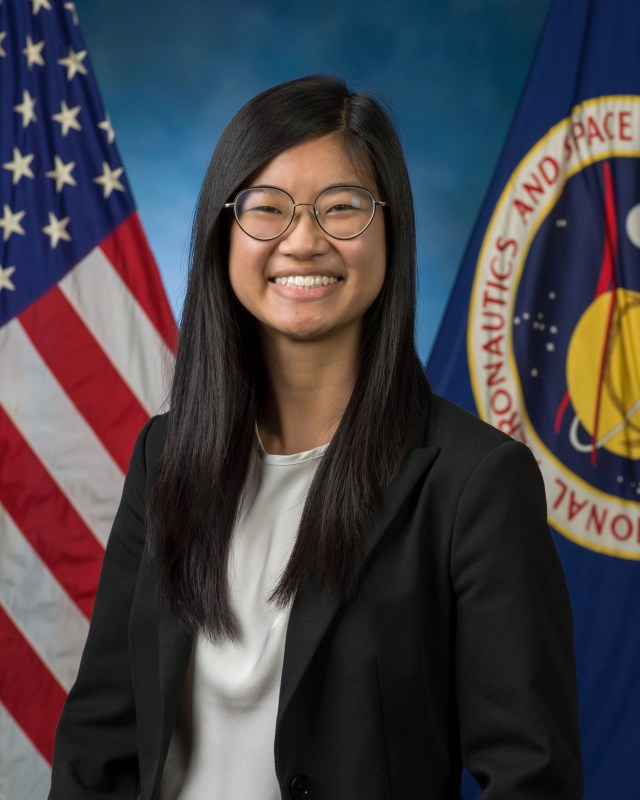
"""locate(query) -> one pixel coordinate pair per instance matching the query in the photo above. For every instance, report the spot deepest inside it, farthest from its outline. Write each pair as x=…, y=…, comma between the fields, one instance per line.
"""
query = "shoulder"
x=146, y=455
x=456, y=431
x=154, y=435
x=149, y=444
x=467, y=447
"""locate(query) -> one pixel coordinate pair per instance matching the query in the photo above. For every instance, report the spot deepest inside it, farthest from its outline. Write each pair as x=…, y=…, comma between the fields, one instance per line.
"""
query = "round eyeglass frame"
x=315, y=214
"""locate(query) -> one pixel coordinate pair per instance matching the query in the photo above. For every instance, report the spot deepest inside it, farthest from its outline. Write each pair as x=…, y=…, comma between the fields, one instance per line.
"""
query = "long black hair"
x=219, y=372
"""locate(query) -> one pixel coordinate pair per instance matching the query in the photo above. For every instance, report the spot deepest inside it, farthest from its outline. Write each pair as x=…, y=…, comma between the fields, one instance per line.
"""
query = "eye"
x=343, y=201
x=263, y=202
x=341, y=208
x=262, y=209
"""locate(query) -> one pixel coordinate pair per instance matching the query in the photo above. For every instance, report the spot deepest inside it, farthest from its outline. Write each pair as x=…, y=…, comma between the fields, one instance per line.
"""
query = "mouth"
x=306, y=281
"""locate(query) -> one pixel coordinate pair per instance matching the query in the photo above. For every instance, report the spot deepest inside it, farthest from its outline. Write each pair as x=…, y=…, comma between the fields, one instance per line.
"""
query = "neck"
x=308, y=388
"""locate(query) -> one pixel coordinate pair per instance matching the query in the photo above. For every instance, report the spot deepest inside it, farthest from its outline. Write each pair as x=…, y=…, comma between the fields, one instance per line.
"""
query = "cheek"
x=237, y=258
x=372, y=262
x=246, y=258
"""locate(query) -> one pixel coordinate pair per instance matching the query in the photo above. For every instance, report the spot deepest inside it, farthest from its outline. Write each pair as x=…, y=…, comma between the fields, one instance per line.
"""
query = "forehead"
x=313, y=165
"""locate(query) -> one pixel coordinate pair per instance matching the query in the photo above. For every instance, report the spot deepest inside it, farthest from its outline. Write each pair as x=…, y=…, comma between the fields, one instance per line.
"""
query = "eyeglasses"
x=343, y=212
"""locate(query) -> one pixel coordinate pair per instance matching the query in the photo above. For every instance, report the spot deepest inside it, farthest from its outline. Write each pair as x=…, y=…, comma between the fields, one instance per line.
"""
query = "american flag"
x=86, y=342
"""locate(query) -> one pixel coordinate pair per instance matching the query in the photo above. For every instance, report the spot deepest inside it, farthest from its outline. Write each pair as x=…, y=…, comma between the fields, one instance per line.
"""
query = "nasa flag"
x=549, y=347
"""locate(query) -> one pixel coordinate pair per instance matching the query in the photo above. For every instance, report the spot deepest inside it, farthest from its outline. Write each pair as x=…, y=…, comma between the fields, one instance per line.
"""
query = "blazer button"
x=300, y=787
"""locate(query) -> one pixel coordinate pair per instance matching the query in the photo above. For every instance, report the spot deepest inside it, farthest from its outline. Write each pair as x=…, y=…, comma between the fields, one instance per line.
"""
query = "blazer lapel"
x=313, y=610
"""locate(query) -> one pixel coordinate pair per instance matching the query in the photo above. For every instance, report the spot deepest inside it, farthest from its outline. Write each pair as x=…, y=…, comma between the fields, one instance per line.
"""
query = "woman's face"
x=261, y=272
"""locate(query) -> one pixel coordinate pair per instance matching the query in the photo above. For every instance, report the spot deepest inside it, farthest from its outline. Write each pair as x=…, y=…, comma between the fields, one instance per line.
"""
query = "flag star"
x=19, y=166
x=3, y=36
x=38, y=4
x=5, y=278
x=26, y=108
x=74, y=14
x=67, y=118
x=73, y=63
x=33, y=52
x=10, y=222
x=109, y=179
x=61, y=173
x=57, y=229
x=105, y=125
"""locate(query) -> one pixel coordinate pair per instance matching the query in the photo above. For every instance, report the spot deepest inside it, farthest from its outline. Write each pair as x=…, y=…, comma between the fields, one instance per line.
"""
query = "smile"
x=305, y=281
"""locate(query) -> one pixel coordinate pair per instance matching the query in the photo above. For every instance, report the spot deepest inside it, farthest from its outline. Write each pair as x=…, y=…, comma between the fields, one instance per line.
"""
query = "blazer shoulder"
x=462, y=436
x=155, y=434
x=447, y=419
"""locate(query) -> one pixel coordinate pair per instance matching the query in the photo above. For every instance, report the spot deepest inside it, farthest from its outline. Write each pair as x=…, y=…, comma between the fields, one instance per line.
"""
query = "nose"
x=304, y=238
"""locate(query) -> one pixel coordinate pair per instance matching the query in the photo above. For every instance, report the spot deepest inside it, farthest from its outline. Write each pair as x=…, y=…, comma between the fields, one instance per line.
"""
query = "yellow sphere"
x=619, y=417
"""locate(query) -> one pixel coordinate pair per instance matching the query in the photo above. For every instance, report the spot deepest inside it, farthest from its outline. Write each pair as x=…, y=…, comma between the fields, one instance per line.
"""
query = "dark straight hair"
x=219, y=377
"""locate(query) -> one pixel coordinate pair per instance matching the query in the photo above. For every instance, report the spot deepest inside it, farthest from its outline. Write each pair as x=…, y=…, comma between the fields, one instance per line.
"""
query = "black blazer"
x=456, y=649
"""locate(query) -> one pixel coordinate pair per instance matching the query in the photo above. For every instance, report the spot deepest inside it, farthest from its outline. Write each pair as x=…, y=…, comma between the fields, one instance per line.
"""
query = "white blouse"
x=222, y=743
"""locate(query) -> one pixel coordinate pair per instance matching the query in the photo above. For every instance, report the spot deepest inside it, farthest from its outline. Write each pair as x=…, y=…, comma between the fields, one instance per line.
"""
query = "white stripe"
x=42, y=610
x=121, y=326
x=58, y=434
x=24, y=773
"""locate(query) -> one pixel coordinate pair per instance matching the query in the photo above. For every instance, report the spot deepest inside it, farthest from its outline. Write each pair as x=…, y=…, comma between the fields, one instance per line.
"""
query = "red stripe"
x=85, y=373
x=128, y=251
x=560, y=412
x=607, y=282
x=47, y=519
x=606, y=279
x=28, y=690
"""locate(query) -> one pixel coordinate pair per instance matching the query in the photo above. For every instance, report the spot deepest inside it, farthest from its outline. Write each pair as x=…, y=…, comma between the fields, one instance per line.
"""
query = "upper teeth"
x=306, y=280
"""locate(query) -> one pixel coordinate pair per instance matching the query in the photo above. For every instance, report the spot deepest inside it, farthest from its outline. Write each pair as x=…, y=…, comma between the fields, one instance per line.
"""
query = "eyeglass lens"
x=343, y=212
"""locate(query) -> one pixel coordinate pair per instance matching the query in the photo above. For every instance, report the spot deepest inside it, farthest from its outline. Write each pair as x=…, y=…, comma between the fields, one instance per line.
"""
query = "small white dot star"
x=3, y=35
x=550, y=347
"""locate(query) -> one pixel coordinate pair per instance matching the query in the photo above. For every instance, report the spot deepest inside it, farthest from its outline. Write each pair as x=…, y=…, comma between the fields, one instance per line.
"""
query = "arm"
x=515, y=672
x=95, y=754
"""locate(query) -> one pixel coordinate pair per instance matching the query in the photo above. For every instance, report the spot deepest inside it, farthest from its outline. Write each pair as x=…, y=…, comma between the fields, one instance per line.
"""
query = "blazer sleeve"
x=95, y=752
x=515, y=671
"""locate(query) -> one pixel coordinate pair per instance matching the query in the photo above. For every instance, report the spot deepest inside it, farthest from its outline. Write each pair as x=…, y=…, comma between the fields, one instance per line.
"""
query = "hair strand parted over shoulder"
x=219, y=374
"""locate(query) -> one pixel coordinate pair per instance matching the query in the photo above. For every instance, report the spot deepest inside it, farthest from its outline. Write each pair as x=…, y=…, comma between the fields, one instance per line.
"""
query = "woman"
x=323, y=581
